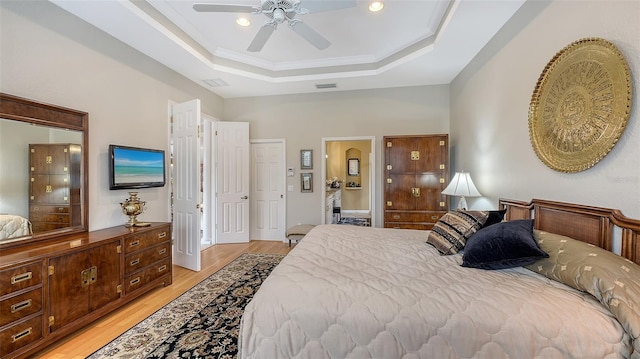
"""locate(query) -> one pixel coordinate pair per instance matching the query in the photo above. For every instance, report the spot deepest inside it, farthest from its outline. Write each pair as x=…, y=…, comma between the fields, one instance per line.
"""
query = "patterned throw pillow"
x=612, y=279
x=449, y=235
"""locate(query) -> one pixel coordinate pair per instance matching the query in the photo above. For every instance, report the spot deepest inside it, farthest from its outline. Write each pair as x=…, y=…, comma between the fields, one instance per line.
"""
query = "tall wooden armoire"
x=54, y=186
x=415, y=173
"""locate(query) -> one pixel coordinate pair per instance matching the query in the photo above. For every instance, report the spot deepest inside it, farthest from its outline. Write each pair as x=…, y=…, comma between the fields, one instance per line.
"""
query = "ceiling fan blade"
x=326, y=5
x=309, y=34
x=223, y=8
x=261, y=37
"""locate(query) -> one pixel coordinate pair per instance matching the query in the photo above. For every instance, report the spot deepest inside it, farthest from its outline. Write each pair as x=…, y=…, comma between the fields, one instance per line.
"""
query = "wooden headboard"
x=589, y=224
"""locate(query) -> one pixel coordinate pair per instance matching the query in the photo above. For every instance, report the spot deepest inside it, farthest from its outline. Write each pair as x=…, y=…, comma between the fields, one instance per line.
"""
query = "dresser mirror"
x=37, y=205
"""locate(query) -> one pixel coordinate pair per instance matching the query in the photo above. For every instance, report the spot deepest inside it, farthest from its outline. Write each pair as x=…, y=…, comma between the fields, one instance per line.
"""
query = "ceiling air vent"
x=215, y=82
x=325, y=86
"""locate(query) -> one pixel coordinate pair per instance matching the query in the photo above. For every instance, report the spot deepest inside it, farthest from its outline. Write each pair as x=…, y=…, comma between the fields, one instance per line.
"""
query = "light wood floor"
x=101, y=332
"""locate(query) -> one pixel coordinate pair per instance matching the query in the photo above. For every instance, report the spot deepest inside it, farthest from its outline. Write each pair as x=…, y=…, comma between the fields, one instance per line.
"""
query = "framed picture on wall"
x=354, y=167
x=306, y=159
x=306, y=182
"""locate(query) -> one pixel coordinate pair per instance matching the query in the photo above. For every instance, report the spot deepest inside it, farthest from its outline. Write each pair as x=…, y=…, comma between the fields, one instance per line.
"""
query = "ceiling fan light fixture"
x=243, y=21
x=375, y=5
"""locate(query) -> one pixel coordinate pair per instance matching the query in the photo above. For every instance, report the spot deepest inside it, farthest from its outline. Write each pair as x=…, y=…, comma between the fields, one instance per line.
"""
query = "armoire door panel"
x=398, y=191
x=432, y=153
x=398, y=154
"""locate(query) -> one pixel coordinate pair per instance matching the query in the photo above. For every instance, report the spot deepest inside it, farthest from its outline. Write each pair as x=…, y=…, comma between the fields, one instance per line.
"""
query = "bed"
x=361, y=292
x=12, y=226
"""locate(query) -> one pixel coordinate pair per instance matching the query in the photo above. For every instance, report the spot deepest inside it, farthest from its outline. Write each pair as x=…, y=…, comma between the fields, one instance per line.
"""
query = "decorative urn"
x=133, y=207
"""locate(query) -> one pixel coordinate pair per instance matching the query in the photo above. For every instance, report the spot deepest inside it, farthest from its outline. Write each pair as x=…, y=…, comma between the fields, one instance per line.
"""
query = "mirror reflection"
x=40, y=185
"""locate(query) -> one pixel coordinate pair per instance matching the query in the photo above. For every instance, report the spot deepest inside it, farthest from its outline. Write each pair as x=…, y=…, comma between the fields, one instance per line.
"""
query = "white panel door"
x=267, y=190
x=232, y=182
x=186, y=185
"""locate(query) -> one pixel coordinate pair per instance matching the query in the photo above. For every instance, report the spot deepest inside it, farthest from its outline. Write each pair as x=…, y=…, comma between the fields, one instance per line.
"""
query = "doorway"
x=350, y=161
x=268, y=183
x=209, y=182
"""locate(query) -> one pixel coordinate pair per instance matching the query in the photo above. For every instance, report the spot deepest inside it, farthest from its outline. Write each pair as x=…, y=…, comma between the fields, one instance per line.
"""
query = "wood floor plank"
x=94, y=336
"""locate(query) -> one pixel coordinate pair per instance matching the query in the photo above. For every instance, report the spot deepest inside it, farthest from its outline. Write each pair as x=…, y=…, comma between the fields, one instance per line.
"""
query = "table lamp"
x=461, y=185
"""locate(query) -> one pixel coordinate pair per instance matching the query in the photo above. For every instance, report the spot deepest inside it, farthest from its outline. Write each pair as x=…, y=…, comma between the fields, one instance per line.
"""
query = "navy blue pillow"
x=494, y=217
x=503, y=245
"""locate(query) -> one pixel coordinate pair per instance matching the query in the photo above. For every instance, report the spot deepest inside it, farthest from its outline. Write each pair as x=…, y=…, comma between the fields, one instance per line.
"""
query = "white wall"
x=305, y=119
x=490, y=101
x=51, y=56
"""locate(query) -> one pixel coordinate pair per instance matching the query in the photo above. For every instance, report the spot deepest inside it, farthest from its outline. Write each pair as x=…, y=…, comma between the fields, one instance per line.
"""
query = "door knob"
x=244, y=197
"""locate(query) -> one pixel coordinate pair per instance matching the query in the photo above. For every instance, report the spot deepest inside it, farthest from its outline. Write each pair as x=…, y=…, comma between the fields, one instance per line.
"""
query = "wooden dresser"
x=49, y=290
x=54, y=186
x=415, y=173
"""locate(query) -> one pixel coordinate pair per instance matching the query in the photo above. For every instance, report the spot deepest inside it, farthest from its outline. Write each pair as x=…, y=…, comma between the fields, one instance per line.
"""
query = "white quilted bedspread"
x=14, y=226
x=358, y=292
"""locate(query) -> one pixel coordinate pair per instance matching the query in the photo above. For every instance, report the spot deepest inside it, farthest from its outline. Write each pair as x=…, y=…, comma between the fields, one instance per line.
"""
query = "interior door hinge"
x=51, y=270
x=119, y=249
x=119, y=288
x=389, y=144
x=52, y=320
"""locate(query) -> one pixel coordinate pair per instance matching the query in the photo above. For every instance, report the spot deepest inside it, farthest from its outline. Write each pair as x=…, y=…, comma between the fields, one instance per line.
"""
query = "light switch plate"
x=290, y=172
x=290, y=188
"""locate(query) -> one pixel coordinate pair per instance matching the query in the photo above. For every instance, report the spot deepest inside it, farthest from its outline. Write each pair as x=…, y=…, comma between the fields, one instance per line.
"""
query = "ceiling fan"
x=279, y=11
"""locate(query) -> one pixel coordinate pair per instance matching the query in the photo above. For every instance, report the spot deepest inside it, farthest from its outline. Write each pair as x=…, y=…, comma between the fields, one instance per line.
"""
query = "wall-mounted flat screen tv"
x=133, y=167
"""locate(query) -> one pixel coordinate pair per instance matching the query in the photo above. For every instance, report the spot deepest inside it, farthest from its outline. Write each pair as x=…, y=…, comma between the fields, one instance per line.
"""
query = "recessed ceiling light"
x=243, y=21
x=376, y=5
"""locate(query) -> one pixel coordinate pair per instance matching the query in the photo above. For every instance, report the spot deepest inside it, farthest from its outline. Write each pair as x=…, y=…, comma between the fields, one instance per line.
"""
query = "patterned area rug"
x=203, y=322
x=365, y=222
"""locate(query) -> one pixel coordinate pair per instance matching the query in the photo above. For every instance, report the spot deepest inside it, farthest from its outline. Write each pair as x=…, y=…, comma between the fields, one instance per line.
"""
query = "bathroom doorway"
x=348, y=171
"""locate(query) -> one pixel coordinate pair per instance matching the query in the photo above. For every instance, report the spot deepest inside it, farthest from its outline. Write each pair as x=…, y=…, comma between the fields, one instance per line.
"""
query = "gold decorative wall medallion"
x=580, y=105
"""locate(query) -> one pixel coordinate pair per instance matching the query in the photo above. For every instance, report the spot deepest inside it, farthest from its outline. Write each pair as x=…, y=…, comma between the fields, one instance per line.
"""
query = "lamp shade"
x=461, y=185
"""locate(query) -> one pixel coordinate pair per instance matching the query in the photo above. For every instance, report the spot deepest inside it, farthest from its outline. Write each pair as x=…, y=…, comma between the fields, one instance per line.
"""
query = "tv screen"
x=133, y=167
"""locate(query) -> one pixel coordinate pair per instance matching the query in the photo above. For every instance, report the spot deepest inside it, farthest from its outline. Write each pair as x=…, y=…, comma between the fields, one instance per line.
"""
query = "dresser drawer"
x=20, y=306
x=47, y=226
x=17, y=278
x=146, y=257
x=419, y=226
x=145, y=240
x=147, y=275
x=423, y=217
x=50, y=217
x=20, y=335
x=44, y=209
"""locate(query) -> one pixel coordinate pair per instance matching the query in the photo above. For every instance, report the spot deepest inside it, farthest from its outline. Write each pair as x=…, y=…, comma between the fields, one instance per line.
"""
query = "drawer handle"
x=22, y=305
x=434, y=217
x=134, y=262
x=22, y=334
x=21, y=277
x=135, y=281
x=396, y=216
x=134, y=243
x=162, y=251
x=162, y=268
x=162, y=235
